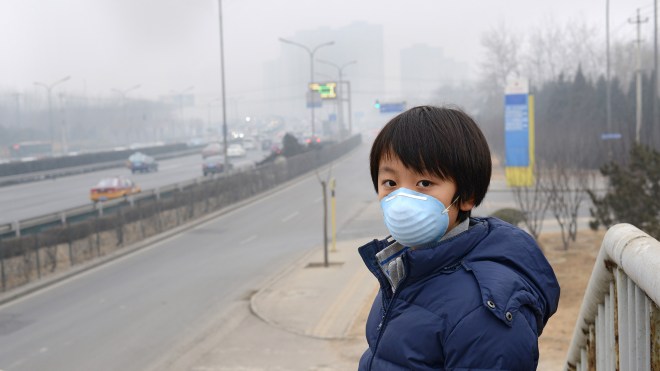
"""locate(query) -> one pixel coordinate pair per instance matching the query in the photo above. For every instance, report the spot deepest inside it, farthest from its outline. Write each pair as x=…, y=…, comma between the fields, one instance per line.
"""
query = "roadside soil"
x=573, y=269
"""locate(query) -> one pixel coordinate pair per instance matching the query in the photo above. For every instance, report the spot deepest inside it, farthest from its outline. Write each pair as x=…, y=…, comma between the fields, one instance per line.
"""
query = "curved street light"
x=311, y=52
x=49, y=89
x=340, y=72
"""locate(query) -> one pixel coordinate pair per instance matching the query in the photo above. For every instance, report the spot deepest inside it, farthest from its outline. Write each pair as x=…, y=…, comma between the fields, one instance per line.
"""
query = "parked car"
x=212, y=149
x=214, y=165
x=142, y=163
x=111, y=188
x=236, y=150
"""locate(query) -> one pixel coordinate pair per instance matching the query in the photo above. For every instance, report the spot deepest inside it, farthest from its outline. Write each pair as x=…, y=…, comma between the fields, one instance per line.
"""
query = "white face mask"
x=414, y=218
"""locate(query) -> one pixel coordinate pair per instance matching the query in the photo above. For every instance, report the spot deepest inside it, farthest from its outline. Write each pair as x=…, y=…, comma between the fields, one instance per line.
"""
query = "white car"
x=236, y=150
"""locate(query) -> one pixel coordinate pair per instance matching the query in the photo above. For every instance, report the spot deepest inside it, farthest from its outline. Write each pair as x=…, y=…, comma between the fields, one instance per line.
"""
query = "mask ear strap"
x=446, y=210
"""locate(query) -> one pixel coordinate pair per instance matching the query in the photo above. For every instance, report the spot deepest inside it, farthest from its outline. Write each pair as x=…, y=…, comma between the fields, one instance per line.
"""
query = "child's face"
x=392, y=175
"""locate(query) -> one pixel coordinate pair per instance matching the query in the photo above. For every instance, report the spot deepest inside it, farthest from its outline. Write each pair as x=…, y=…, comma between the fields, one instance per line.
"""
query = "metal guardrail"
x=61, y=217
x=619, y=323
x=65, y=171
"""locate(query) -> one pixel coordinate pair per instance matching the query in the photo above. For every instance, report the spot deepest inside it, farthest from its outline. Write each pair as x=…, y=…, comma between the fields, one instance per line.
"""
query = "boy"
x=457, y=293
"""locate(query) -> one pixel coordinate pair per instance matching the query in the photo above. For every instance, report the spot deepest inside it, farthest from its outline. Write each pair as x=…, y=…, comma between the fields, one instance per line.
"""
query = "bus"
x=33, y=149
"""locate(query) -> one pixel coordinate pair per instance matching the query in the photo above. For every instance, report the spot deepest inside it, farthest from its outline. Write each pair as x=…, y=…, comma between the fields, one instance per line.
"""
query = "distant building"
x=286, y=77
x=424, y=69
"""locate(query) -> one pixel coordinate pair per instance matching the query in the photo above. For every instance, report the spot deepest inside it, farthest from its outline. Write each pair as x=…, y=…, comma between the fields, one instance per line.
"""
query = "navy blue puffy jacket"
x=476, y=301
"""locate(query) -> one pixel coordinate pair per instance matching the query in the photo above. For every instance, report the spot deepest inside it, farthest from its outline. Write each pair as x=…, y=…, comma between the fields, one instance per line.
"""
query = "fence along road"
x=24, y=201
x=128, y=314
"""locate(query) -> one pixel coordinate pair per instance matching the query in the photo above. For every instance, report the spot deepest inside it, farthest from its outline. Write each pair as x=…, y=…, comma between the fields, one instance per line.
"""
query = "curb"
x=272, y=281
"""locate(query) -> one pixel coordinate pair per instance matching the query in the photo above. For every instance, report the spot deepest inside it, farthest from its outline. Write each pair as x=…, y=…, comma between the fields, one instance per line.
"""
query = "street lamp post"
x=340, y=72
x=49, y=89
x=311, y=65
x=224, y=96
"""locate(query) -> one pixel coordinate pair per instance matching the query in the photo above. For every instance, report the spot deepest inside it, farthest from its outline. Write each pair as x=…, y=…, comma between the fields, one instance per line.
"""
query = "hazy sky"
x=168, y=45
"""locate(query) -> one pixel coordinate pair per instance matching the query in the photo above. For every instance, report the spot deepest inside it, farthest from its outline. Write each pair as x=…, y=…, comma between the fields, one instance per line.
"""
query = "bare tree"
x=502, y=60
x=567, y=187
x=533, y=202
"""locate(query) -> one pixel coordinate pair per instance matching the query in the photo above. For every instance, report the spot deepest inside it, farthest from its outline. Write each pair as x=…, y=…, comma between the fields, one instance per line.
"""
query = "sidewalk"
x=318, y=301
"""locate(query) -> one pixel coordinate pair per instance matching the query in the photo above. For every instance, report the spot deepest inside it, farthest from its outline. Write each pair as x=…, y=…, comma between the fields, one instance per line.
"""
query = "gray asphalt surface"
x=23, y=201
x=128, y=314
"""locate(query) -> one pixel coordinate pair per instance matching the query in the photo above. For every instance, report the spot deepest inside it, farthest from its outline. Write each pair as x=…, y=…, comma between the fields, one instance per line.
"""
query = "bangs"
x=443, y=142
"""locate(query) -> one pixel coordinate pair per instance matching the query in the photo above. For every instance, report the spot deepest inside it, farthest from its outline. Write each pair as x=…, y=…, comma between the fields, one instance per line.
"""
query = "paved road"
x=23, y=201
x=128, y=314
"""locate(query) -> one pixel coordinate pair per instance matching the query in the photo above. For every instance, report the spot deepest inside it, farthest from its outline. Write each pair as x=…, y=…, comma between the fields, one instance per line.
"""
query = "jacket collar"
x=435, y=258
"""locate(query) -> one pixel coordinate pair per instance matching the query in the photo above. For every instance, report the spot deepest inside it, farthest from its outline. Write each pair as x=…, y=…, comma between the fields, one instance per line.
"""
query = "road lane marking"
x=249, y=239
x=286, y=219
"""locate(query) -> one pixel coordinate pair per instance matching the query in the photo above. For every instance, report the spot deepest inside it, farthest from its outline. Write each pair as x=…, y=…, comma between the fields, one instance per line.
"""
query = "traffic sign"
x=326, y=90
x=392, y=107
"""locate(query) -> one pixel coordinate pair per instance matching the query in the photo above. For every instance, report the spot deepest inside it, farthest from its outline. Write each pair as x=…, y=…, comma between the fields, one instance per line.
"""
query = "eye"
x=389, y=183
x=424, y=183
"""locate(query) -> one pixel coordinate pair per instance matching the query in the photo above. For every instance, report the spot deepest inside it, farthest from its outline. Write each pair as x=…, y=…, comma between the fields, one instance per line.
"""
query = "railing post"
x=655, y=337
x=601, y=334
x=632, y=324
x=612, y=348
x=622, y=314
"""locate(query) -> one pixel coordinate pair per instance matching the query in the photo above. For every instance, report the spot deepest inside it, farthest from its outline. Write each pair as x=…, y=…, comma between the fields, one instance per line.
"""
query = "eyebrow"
x=386, y=169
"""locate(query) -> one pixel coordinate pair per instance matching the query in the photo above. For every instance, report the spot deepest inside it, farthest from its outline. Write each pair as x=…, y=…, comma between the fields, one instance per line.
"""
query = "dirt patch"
x=573, y=269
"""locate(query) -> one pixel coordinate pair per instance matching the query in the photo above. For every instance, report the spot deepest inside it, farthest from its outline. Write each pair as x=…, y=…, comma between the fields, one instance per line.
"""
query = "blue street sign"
x=392, y=107
x=516, y=130
x=610, y=136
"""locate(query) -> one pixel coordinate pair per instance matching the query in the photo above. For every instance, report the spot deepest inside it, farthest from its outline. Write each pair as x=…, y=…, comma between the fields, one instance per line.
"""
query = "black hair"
x=443, y=141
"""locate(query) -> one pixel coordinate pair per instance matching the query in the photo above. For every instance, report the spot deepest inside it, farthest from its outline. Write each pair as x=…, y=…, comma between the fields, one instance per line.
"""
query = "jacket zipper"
x=383, y=321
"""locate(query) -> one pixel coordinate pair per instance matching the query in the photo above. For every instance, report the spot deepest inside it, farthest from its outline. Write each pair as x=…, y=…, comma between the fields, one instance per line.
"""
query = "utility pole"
x=49, y=88
x=638, y=21
x=608, y=88
x=654, y=122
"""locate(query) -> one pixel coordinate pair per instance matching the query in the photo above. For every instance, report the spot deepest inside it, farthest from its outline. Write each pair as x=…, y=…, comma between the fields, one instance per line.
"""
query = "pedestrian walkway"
x=314, y=300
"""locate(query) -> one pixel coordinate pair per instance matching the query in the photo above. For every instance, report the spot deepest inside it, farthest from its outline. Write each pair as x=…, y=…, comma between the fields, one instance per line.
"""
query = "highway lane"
x=128, y=314
x=23, y=201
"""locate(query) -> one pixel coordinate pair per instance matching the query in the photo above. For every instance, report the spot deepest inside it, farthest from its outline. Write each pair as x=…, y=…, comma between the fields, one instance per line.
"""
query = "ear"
x=466, y=205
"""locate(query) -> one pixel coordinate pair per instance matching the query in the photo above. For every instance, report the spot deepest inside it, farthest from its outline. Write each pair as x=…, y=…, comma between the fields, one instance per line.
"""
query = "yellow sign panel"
x=327, y=90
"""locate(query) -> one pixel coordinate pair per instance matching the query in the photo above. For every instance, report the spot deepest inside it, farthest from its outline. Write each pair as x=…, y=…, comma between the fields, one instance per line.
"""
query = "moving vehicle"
x=236, y=150
x=142, y=163
x=111, y=188
x=214, y=165
x=212, y=149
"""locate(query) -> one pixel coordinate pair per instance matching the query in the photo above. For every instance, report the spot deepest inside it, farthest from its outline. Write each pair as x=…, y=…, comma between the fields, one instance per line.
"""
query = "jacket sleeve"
x=481, y=341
